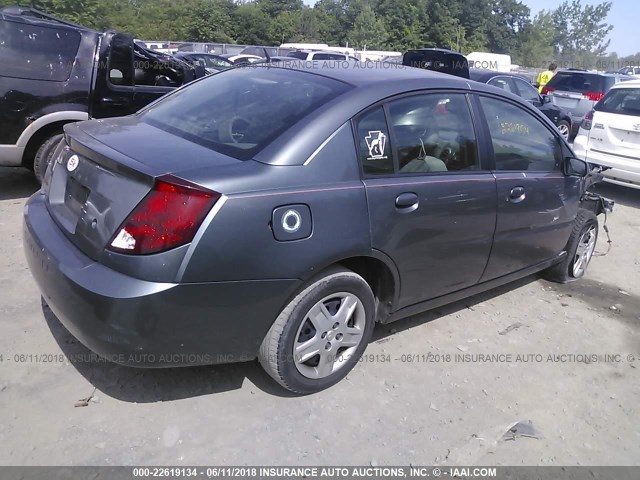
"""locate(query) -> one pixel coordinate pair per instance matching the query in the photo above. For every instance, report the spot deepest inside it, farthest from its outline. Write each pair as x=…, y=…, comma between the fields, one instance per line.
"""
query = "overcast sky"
x=624, y=16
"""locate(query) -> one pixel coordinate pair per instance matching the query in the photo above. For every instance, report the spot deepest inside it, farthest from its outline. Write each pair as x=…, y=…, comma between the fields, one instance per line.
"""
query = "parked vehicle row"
x=577, y=91
x=278, y=213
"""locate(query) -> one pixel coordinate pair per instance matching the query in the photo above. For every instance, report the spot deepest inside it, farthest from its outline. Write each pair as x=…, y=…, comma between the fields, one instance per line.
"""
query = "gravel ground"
x=446, y=406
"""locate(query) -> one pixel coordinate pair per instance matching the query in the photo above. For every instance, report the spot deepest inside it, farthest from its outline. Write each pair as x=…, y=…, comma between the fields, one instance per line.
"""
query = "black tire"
x=277, y=350
x=43, y=155
x=565, y=271
x=564, y=124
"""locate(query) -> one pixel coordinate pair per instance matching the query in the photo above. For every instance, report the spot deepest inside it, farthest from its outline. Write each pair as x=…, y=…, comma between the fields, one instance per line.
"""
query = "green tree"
x=442, y=28
x=536, y=49
x=402, y=22
x=581, y=31
x=368, y=31
x=208, y=21
x=505, y=25
x=253, y=25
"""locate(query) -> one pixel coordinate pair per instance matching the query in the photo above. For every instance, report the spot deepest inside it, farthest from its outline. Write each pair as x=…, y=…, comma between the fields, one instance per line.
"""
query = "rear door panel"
x=443, y=245
x=432, y=207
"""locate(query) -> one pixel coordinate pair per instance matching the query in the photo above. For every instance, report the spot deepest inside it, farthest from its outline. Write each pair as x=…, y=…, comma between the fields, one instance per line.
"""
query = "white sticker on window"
x=376, y=141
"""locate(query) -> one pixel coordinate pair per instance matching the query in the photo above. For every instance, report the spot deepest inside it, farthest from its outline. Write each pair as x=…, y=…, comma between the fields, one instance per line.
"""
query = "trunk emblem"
x=73, y=163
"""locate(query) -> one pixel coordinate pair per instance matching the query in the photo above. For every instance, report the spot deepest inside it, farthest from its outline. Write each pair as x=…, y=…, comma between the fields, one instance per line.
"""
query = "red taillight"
x=547, y=90
x=594, y=96
x=587, y=121
x=169, y=216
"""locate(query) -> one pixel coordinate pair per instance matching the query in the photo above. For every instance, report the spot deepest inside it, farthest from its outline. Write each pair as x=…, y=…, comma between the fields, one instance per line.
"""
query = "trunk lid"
x=616, y=134
x=567, y=100
x=92, y=188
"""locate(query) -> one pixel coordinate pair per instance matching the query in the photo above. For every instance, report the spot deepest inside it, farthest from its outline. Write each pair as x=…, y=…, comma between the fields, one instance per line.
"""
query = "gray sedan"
x=279, y=213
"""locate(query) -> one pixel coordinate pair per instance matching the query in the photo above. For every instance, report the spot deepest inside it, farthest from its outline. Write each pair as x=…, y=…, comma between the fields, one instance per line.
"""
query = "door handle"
x=516, y=195
x=407, y=202
x=114, y=102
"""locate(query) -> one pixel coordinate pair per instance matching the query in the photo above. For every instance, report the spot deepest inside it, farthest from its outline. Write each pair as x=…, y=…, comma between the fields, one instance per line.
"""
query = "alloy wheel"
x=584, y=251
x=329, y=335
x=564, y=130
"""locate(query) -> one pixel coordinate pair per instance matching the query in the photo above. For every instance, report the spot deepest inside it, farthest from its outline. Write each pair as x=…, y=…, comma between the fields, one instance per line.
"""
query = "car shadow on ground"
x=16, y=182
x=605, y=298
x=629, y=197
x=146, y=385
x=165, y=384
x=383, y=331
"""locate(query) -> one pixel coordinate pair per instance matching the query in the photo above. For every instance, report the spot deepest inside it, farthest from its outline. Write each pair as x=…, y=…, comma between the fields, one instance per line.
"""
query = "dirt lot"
x=446, y=406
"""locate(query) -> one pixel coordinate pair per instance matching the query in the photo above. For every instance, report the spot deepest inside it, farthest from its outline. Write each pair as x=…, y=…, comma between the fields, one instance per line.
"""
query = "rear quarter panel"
x=239, y=244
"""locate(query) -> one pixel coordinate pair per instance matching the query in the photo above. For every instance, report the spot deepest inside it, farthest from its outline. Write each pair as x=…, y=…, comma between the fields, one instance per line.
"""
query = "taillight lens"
x=547, y=90
x=587, y=121
x=168, y=217
x=594, y=96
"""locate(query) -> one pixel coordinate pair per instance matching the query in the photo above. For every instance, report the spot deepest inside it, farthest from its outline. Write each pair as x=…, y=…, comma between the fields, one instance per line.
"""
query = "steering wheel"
x=234, y=130
x=448, y=154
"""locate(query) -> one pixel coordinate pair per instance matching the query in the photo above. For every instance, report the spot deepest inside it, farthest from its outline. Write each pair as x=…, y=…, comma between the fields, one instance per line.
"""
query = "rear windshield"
x=625, y=101
x=580, y=82
x=37, y=52
x=238, y=112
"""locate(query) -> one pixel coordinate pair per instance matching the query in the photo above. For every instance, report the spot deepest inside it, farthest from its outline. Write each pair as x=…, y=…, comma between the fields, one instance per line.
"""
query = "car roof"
x=602, y=74
x=628, y=84
x=482, y=75
x=206, y=54
x=36, y=17
x=426, y=49
x=360, y=74
x=328, y=51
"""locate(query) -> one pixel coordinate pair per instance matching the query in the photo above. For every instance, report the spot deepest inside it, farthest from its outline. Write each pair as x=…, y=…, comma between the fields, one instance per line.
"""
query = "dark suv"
x=577, y=91
x=55, y=72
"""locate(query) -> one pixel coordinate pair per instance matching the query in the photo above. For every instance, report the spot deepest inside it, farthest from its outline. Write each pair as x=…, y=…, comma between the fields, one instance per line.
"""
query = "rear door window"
x=37, y=52
x=527, y=91
x=623, y=101
x=373, y=142
x=433, y=133
x=504, y=83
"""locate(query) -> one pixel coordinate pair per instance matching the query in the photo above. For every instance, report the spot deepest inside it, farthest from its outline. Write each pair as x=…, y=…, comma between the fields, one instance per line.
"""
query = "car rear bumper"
x=622, y=170
x=147, y=324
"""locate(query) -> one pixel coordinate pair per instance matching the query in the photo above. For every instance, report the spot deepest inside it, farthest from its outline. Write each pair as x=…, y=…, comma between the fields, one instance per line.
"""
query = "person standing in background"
x=546, y=76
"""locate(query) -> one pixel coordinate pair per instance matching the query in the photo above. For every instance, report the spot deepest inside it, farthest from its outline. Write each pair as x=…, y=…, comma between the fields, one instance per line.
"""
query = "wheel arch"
x=42, y=128
x=381, y=274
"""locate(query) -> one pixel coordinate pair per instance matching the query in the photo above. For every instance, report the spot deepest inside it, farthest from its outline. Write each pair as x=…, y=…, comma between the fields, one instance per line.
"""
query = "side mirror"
x=546, y=99
x=575, y=167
